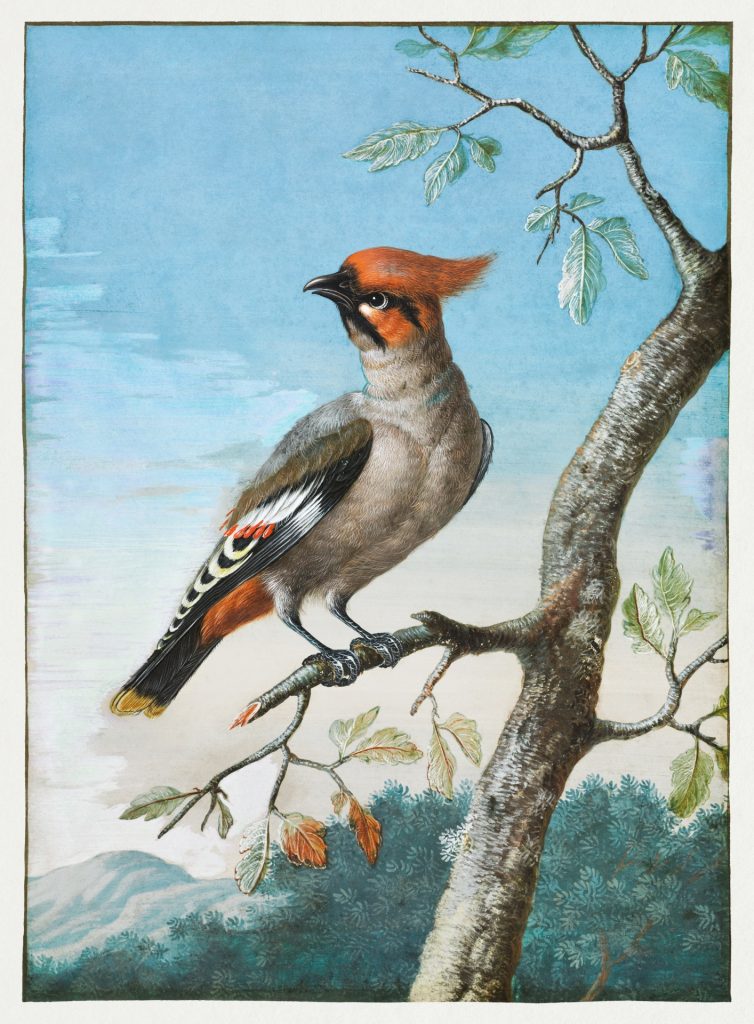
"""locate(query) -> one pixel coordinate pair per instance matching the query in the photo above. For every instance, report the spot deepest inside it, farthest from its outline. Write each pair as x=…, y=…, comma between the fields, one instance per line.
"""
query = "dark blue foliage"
x=626, y=892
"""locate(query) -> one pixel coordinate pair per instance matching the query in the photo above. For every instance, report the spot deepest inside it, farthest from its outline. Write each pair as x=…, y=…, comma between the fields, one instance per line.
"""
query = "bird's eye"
x=378, y=300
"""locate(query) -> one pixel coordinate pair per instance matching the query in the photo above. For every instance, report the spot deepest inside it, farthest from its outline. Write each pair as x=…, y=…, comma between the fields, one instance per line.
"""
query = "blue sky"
x=182, y=183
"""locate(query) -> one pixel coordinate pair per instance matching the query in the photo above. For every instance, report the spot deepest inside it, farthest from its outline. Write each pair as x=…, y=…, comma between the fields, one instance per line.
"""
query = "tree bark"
x=474, y=947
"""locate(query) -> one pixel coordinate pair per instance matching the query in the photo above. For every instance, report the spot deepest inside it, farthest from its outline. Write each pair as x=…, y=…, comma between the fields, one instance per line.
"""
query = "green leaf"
x=513, y=41
x=641, y=622
x=691, y=775
x=413, y=48
x=718, y=35
x=698, y=75
x=672, y=586
x=159, y=801
x=388, y=746
x=582, y=200
x=255, y=847
x=723, y=763
x=483, y=152
x=224, y=819
x=491, y=146
x=441, y=765
x=622, y=242
x=541, y=218
x=476, y=34
x=466, y=734
x=697, y=620
x=720, y=709
x=344, y=733
x=389, y=147
x=444, y=171
x=582, y=279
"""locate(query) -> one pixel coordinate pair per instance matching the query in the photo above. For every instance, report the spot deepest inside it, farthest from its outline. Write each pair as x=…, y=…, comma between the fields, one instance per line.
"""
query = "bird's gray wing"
x=488, y=443
x=271, y=515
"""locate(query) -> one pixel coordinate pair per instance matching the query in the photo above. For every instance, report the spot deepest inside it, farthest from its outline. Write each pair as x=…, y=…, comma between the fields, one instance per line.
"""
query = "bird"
x=352, y=489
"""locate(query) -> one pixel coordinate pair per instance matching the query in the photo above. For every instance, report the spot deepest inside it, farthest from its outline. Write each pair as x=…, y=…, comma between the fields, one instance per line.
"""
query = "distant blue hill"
x=81, y=906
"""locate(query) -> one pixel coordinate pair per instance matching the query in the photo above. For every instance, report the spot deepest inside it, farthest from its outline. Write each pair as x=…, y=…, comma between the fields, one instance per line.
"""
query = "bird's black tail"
x=162, y=676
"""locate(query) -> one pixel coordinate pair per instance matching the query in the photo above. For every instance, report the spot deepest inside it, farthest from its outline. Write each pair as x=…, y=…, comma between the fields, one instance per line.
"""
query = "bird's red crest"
x=411, y=273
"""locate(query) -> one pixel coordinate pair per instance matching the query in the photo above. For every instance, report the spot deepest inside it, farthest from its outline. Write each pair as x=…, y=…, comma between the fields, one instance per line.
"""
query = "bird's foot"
x=345, y=665
x=386, y=645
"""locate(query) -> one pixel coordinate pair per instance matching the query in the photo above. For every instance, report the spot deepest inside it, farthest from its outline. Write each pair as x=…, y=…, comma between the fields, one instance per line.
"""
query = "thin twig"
x=328, y=769
x=640, y=59
x=258, y=755
x=442, y=46
x=605, y=729
x=591, y=56
x=694, y=729
x=668, y=40
x=572, y=171
x=703, y=658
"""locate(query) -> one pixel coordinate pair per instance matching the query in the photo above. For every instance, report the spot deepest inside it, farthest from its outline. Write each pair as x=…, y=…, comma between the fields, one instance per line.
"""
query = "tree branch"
x=686, y=250
x=591, y=56
x=640, y=59
x=557, y=185
x=668, y=40
x=269, y=748
x=605, y=729
x=435, y=630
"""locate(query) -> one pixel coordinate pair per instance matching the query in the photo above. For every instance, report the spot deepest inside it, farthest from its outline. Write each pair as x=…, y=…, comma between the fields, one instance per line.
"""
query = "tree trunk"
x=475, y=945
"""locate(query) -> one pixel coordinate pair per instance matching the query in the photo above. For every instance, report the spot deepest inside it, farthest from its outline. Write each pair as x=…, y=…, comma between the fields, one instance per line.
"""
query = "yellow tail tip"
x=128, y=702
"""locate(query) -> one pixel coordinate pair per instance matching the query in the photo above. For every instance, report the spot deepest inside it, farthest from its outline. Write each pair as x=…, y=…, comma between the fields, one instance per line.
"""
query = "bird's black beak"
x=333, y=286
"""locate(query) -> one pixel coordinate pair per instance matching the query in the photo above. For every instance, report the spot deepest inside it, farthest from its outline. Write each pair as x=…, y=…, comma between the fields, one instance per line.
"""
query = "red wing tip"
x=246, y=715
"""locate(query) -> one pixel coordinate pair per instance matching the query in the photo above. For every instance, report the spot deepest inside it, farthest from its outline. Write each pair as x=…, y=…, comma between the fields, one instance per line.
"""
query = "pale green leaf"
x=255, y=847
x=413, y=48
x=691, y=775
x=698, y=75
x=477, y=34
x=723, y=763
x=388, y=746
x=696, y=620
x=466, y=734
x=718, y=35
x=582, y=279
x=514, y=41
x=441, y=765
x=345, y=732
x=582, y=200
x=491, y=146
x=225, y=818
x=444, y=171
x=541, y=218
x=388, y=147
x=157, y=802
x=672, y=585
x=721, y=708
x=617, y=232
x=641, y=622
x=480, y=154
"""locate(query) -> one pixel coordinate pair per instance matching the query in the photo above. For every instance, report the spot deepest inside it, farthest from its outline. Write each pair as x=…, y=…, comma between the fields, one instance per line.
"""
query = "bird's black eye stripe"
x=410, y=312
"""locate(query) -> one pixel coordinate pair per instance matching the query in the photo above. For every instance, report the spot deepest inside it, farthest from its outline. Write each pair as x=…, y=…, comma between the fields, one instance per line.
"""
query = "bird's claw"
x=345, y=665
x=386, y=645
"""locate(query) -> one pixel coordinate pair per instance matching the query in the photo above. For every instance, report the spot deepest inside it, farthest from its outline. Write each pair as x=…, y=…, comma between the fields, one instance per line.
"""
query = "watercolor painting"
x=376, y=444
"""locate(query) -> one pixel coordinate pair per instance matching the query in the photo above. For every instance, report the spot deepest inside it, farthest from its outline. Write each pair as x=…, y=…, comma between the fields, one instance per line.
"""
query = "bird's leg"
x=385, y=644
x=345, y=664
